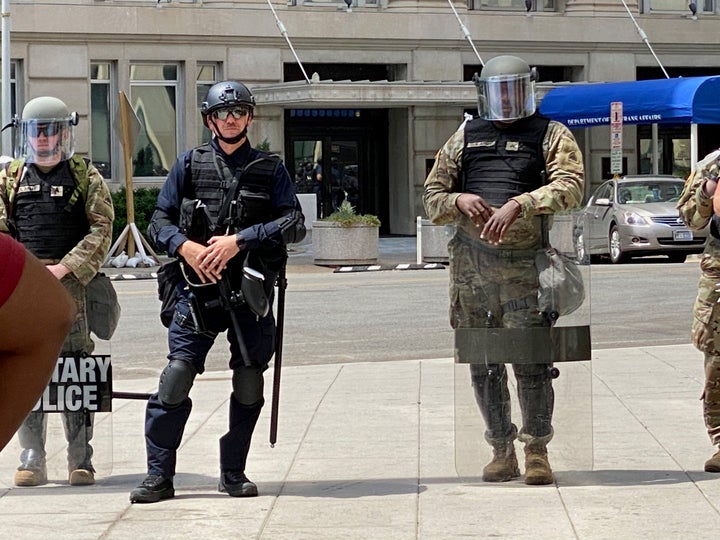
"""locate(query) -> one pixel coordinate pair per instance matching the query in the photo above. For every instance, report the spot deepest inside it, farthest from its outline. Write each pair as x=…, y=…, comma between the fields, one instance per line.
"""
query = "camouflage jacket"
x=563, y=191
x=696, y=210
x=86, y=258
x=695, y=205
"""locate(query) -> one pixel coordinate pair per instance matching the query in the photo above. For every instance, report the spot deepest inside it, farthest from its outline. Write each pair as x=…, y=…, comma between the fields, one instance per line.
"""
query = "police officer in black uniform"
x=224, y=207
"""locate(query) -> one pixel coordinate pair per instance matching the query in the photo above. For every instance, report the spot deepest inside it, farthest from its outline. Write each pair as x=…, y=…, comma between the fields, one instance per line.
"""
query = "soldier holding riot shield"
x=493, y=179
x=59, y=206
x=227, y=212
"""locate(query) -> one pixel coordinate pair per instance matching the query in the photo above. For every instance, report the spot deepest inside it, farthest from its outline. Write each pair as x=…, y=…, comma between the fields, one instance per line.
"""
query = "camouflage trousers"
x=497, y=288
x=706, y=337
x=78, y=425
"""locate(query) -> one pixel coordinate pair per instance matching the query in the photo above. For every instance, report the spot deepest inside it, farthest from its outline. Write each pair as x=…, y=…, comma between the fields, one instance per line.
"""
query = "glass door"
x=328, y=168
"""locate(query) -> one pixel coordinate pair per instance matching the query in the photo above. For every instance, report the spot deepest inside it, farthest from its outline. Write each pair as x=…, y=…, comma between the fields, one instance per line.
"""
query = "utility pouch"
x=253, y=291
x=103, y=308
x=252, y=207
x=169, y=276
x=206, y=308
x=195, y=222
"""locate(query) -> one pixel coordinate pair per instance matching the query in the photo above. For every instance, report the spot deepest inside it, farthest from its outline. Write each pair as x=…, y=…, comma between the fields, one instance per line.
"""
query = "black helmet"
x=226, y=94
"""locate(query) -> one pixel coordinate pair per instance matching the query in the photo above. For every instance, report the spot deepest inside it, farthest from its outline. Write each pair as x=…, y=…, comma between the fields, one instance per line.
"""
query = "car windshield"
x=649, y=192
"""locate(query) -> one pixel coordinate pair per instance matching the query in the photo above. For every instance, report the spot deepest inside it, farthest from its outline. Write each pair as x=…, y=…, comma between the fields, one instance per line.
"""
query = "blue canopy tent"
x=690, y=100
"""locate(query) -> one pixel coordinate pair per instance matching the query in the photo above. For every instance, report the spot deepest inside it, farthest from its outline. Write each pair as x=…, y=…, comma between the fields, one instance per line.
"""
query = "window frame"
x=178, y=85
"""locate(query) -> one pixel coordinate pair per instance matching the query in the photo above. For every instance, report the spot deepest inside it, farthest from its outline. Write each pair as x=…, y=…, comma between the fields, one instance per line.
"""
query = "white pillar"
x=6, y=86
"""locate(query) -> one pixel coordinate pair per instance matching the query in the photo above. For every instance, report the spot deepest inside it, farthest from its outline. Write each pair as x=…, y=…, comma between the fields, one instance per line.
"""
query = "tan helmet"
x=506, y=89
x=45, y=131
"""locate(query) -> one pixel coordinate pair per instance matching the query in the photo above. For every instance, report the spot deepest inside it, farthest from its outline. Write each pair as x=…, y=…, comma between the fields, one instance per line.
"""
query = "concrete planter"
x=334, y=244
x=434, y=241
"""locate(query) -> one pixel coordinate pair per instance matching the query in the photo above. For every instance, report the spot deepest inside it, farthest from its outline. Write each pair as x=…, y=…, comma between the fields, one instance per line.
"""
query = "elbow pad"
x=292, y=226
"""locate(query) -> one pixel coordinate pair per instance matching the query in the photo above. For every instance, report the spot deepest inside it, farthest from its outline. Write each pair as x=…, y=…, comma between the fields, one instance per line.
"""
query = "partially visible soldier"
x=28, y=352
x=490, y=180
x=59, y=206
x=224, y=206
x=699, y=205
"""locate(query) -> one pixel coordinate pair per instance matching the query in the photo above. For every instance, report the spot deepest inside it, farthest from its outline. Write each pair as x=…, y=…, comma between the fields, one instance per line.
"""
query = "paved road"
x=399, y=315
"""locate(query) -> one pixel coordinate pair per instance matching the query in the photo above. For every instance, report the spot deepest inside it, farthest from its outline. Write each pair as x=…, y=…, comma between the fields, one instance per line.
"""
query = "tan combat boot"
x=81, y=477
x=504, y=464
x=30, y=477
x=713, y=464
x=537, y=466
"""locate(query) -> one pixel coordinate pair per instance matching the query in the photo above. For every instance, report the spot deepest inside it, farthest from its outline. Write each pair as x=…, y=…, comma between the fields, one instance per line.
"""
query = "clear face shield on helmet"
x=46, y=142
x=506, y=97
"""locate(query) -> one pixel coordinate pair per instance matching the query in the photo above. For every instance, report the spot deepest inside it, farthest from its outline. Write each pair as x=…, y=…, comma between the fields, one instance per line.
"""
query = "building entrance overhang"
x=369, y=94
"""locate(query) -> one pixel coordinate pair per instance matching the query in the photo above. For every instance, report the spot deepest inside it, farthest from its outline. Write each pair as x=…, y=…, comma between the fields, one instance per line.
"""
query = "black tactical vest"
x=44, y=220
x=498, y=164
x=212, y=177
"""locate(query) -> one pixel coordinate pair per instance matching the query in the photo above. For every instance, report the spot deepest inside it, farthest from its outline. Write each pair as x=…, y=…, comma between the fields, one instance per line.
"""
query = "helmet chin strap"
x=229, y=140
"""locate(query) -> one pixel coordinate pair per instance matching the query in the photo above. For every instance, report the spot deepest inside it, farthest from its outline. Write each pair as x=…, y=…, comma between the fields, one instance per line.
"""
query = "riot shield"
x=71, y=424
x=497, y=367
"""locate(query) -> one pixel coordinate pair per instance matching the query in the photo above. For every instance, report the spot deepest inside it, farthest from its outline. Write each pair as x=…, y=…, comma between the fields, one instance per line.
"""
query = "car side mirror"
x=602, y=202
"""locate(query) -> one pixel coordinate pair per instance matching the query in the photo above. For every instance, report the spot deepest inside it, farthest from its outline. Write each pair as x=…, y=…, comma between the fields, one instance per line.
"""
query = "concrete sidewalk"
x=367, y=451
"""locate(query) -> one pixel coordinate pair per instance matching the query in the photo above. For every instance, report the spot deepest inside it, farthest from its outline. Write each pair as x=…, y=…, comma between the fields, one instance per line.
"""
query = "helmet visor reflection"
x=47, y=129
x=506, y=97
x=236, y=112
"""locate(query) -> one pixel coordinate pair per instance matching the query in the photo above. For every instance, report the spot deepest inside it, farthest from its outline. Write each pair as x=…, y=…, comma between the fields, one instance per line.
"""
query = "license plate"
x=682, y=236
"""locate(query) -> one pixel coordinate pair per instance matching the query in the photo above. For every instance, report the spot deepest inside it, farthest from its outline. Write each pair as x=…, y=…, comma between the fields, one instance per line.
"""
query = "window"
x=154, y=97
x=102, y=82
x=677, y=6
x=207, y=75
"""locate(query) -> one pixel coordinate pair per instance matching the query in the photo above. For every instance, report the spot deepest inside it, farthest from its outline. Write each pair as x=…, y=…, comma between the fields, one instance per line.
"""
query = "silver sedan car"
x=635, y=216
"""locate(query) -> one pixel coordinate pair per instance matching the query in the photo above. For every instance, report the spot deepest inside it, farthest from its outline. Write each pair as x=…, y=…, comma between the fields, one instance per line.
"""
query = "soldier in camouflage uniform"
x=493, y=178
x=69, y=228
x=696, y=209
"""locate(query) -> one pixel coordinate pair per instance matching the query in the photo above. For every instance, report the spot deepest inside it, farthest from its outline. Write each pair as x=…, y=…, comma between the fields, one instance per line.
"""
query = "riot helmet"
x=45, y=134
x=506, y=89
x=227, y=95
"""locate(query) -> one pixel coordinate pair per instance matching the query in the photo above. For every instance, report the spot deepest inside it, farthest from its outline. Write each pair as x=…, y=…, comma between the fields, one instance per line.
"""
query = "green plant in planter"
x=346, y=216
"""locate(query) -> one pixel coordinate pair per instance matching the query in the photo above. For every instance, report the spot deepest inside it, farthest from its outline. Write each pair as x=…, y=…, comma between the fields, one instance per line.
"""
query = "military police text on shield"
x=82, y=382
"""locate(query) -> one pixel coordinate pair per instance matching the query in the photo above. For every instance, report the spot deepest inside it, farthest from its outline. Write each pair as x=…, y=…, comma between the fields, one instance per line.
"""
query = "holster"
x=195, y=222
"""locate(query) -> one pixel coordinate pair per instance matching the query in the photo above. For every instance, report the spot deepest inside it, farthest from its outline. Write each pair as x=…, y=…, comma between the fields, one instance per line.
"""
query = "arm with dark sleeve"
x=164, y=229
x=288, y=225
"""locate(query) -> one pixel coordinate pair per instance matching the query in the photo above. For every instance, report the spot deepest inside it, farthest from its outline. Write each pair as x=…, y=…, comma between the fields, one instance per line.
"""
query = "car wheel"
x=677, y=257
x=616, y=253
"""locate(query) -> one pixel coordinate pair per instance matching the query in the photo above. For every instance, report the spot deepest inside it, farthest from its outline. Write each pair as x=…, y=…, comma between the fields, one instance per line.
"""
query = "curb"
x=381, y=267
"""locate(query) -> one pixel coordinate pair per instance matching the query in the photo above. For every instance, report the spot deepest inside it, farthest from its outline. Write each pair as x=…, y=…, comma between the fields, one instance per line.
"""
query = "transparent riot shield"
x=497, y=367
x=70, y=427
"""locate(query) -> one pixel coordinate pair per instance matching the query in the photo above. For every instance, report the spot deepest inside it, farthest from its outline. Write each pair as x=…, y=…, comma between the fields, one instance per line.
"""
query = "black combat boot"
x=236, y=484
x=153, y=489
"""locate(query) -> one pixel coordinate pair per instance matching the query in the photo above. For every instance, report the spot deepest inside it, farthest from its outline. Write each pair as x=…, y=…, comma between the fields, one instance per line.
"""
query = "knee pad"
x=247, y=385
x=175, y=382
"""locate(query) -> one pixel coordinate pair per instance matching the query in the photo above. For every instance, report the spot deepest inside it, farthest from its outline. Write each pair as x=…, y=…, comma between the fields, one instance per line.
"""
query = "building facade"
x=357, y=99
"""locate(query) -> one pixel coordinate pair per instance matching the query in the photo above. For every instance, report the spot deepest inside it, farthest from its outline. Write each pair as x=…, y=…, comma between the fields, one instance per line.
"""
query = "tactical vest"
x=49, y=219
x=498, y=164
x=212, y=178
x=715, y=226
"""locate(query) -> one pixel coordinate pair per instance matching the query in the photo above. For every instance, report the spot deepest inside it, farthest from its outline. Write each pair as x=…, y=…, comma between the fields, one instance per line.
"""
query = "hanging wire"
x=283, y=31
x=644, y=37
x=466, y=32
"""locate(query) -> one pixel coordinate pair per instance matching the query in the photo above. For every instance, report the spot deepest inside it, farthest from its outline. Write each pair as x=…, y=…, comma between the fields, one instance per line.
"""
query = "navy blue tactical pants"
x=164, y=426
